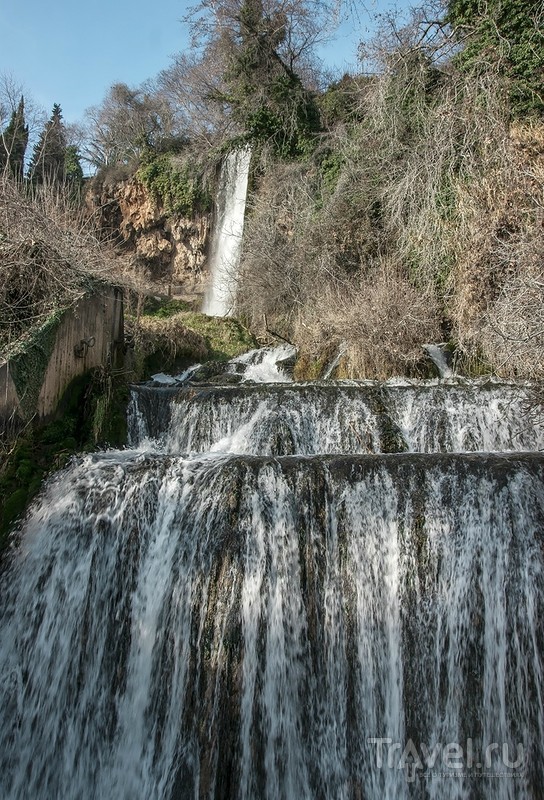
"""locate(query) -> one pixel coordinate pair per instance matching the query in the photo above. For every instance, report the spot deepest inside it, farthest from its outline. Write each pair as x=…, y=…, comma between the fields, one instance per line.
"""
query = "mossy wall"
x=70, y=343
x=91, y=412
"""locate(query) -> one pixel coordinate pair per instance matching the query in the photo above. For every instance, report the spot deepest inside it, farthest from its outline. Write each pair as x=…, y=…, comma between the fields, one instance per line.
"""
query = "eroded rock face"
x=169, y=249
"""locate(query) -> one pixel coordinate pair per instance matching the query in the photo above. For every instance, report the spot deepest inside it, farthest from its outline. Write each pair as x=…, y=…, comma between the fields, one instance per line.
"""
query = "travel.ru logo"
x=496, y=760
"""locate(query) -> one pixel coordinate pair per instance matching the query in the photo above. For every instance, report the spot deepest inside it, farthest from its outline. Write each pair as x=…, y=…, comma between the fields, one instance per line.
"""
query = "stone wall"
x=86, y=336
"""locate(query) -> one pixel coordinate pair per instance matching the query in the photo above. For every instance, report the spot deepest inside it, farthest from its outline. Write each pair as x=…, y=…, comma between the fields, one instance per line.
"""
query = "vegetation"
x=170, y=335
x=54, y=162
x=49, y=257
x=417, y=219
x=13, y=143
x=176, y=183
x=508, y=37
x=91, y=413
x=126, y=124
x=386, y=209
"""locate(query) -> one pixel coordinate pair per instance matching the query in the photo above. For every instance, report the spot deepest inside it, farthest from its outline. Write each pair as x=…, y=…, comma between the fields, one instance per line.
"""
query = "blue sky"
x=71, y=53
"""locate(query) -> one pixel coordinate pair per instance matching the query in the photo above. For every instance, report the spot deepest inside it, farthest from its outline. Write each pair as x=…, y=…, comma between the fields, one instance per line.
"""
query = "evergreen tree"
x=48, y=157
x=73, y=172
x=507, y=34
x=14, y=141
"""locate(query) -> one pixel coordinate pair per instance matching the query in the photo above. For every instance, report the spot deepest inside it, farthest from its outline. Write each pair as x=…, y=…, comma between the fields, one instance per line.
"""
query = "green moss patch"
x=174, y=183
x=92, y=412
x=29, y=363
x=171, y=335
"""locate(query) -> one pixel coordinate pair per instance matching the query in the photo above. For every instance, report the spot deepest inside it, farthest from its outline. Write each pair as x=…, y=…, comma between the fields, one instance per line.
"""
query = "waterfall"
x=437, y=354
x=284, y=591
x=328, y=418
x=220, y=296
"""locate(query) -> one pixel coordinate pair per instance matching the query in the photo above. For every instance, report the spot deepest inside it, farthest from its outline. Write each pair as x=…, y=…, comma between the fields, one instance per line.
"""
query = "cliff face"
x=168, y=249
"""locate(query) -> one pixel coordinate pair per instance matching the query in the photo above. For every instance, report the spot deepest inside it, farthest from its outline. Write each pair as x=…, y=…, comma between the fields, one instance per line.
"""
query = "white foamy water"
x=267, y=589
x=220, y=296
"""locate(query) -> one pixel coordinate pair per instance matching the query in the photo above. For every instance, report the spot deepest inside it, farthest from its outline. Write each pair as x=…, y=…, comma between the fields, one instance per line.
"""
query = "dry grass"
x=49, y=255
x=382, y=319
x=431, y=228
x=500, y=270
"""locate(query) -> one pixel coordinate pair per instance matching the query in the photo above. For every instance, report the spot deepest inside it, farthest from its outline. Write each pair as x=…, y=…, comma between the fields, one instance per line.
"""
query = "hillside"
x=386, y=209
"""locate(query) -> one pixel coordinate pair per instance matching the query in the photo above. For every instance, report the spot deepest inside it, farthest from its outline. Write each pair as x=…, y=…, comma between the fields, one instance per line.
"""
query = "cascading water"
x=256, y=601
x=220, y=296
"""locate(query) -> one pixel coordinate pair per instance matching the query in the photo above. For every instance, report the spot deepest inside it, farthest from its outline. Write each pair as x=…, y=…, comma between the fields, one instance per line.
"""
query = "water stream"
x=328, y=591
x=220, y=297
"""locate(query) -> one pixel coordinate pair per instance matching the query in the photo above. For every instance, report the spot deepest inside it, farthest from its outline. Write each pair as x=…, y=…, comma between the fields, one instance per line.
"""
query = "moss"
x=175, y=184
x=170, y=335
x=104, y=410
x=162, y=309
x=308, y=367
x=91, y=412
x=56, y=431
x=14, y=505
x=28, y=365
x=226, y=336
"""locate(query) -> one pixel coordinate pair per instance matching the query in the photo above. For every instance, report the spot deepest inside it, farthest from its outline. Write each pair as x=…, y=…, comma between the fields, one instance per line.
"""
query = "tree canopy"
x=47, y=163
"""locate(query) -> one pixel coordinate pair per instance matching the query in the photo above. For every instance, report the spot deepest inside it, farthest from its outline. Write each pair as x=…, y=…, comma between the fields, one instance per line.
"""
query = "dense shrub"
x=176, y=183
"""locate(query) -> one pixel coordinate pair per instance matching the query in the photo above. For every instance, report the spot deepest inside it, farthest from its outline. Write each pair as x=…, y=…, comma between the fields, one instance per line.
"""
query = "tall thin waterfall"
x=256, y=601
x=227, y=240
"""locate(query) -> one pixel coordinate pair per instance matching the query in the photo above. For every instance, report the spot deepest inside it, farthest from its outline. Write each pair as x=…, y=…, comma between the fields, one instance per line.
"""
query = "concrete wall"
x=10, y=408
x=88, y=336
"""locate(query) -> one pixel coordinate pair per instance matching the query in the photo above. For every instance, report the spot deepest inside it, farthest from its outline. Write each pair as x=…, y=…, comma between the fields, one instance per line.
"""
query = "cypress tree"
x=13, y=142
x=48, y=157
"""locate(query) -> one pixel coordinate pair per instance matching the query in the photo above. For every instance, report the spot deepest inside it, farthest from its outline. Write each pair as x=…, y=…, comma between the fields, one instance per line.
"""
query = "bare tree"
x=291, y=29
x=246, y=55
x=127, y=121
x=194, y=86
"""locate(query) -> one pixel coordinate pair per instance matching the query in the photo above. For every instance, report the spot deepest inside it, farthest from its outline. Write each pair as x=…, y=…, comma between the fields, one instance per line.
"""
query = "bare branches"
x=48, y=253
x=195, y=88
x=425, y=34
x=127, y=121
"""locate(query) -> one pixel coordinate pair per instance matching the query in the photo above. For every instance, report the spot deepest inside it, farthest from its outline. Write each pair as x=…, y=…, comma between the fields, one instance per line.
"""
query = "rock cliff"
x=166, y=248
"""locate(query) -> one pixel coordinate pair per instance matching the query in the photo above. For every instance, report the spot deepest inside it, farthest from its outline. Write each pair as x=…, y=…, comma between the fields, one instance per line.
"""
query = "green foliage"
x=13, y=143
x=331, y=168
x=266, y=95
x=414, y=87
x=28, y=366
x=340, y=101
x=507, y=34
x=47, y=164
x=178, y=186
x=286, y=117
x=73, y=170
